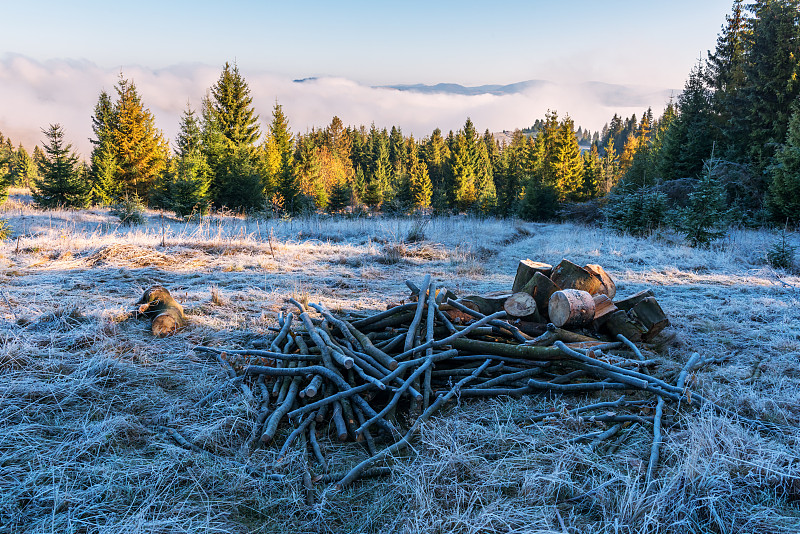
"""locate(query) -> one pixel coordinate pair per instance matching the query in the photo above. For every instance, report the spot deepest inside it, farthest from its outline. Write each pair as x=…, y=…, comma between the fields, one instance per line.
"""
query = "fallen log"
x=164, y=311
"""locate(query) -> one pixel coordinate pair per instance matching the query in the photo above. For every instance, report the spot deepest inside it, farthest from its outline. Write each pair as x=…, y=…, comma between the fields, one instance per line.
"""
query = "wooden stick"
x=383, y=315
x=412, y=330
x=315, y=448
x=356, y=472
x=426, y=382
x=656, y=447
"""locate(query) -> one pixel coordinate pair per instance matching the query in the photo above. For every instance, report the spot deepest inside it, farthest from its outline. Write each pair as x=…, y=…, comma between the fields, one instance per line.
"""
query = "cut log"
x=607, y=285
x=567, y=275
x=165, y=313
x=521, y=305
x=542, y=288
x=571, y=307
x=525, y=271
x=651, y=316
x=603, y=308
x=628, y=303
x=620, y=323
x=487, y=304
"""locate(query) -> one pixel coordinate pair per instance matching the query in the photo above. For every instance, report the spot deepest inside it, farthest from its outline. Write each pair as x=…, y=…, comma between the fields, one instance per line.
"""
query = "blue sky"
x=468, y=42
x=56, y=57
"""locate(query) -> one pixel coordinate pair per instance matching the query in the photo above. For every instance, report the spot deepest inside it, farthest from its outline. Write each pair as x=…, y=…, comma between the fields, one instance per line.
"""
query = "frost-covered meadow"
x=85, y=390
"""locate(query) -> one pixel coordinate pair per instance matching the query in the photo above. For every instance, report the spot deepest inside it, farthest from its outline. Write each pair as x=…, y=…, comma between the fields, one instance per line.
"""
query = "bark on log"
x=165, y=313
x=619, y=323
x=487, y=304
x=525, y=271
x=522, y=352
x=567, y=275
x=521, y=305
x=571, y=307
x=542, y=288
x=651, y=316
x=628, y=303
x=607, y=285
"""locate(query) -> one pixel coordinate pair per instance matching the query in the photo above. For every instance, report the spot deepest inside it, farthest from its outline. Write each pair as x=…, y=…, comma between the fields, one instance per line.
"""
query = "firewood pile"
x=374, y=379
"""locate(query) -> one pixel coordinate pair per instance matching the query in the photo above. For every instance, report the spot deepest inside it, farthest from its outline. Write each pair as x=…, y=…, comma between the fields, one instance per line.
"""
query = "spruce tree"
x=23, y=168
x=279, y=149
x=231, y=108
x=129, y=151
x=690, y=137
x=772, y=71
x=60, y=183
x=230, y=133
x=484, y=181
x=462, y=167
x=184, y=186
x=784, y=191
x=421, y=186
x=725, y=76
x=703, y=219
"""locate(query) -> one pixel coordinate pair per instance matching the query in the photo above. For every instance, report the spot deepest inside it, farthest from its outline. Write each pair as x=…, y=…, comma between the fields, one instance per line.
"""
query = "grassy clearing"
x=84, y=391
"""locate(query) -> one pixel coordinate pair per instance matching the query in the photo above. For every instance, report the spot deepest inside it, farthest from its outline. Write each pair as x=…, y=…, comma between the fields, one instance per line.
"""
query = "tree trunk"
x=571, y=307
x=607, y=285
x=521, y=305
x=525, y=271
x=567, y=275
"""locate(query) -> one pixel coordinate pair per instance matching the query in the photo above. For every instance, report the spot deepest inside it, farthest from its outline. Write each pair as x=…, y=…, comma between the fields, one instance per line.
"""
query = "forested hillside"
x=733, y=130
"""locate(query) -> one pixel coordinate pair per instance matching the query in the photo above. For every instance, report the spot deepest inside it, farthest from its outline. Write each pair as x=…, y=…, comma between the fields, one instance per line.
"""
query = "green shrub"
x=130, y=211
x=637, y=211
x=704, y=218
x=781, y=253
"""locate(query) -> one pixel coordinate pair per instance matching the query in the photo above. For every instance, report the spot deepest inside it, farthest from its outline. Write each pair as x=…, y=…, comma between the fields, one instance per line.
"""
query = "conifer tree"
x=185, y=184
x=592, y=174
x=725, y=76
x=279, y=149
x=463, y=171
x=60, y=183
x=772, y=70
x=702, y=220
x=784, y=191
x=231, y=109
x=103, y=174
x=23, y=168
x=230, y=133
x=421, y=186
x=484, y=181
x=129, y=151
x=690, y=137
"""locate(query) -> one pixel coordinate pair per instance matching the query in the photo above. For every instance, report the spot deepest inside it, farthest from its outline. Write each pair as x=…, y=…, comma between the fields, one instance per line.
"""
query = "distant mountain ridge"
x=457, y=89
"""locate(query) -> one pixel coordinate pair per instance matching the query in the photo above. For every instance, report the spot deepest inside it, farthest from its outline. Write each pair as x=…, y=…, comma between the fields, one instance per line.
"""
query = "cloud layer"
x=34, y=94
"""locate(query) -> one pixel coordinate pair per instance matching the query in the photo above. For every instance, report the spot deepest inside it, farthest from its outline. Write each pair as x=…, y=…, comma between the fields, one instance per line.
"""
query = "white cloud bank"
x=34, y=94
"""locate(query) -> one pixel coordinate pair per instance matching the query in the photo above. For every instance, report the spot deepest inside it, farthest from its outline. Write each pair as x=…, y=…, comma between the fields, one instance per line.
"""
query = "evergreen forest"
x=726, y=150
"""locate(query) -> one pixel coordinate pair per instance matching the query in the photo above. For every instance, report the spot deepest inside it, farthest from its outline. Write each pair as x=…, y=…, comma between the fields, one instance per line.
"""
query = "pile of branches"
x=375, y=379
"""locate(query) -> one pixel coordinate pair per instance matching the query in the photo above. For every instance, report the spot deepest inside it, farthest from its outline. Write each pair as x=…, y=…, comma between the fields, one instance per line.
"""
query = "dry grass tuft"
x=130, y=256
